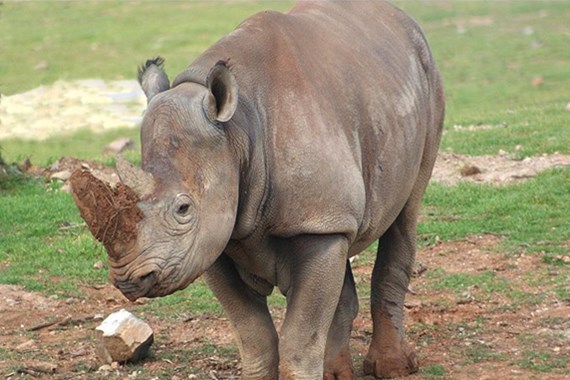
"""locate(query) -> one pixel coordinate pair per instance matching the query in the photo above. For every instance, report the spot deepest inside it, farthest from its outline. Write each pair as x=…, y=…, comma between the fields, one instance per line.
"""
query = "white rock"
x=123, y=337
x=61, y=176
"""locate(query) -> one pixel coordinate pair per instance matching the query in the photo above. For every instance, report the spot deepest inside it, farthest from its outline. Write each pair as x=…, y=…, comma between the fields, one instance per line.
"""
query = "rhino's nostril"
x=147, y=280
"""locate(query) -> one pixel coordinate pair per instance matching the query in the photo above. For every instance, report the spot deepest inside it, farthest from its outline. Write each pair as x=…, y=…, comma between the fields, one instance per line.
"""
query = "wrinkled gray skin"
x=317, y=138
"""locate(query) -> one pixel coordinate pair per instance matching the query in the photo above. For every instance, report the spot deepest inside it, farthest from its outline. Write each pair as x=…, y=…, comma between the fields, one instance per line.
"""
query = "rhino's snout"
x=137, y=286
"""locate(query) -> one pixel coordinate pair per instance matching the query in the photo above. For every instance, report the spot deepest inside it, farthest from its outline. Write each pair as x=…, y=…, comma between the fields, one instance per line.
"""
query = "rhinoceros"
x=285, y=149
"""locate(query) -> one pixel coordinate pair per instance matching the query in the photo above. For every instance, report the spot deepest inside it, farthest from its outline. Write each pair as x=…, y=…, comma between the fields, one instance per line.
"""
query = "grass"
x=458, y=283
x=435, y=371
x=108, y=39
x=488, y=52
x=33, y=229
x=82, y=144
x=532, y=214
x=542, y=361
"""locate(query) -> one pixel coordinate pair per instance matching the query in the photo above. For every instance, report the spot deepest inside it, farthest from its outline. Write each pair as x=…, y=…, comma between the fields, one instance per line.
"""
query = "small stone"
x=537, y=81
x=567, y=107
x=518, y=148
x=61, y=176
x=123, y=337
x=27, y=345
x=528, y=31
x=503, y=153
x=42, y=367
x=55, y=166
x=98, y=265
x=105, y=368
x=43, y=65
x=411, y=304
x=119, y=145
x=469, y=170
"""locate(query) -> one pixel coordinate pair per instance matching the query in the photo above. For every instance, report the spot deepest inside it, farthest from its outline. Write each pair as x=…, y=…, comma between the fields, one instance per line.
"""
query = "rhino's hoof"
x=390, y=364
x=343, y=375
x=340, y=367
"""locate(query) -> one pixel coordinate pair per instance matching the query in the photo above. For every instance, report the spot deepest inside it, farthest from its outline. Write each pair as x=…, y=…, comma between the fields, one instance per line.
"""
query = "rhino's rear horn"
x=152, y=78
x=141, y=182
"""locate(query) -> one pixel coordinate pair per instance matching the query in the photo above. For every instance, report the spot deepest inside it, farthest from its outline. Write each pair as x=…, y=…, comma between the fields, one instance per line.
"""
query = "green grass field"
x=489, y=53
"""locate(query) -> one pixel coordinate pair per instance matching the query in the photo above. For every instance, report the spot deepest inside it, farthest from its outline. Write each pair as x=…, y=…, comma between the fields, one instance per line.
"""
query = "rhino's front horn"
x=111, y=213
x=137, y=179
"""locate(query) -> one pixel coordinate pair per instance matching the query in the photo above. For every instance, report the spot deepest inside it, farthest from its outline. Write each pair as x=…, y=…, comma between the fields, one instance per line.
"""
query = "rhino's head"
x=169, y=221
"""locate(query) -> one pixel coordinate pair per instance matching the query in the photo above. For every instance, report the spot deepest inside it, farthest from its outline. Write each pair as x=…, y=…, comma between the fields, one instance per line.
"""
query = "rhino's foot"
x=388, y=362
x=340, y=368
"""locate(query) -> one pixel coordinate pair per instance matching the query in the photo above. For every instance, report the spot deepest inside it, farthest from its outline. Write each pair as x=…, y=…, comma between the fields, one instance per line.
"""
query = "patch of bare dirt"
x=452, y=168
x=476, y=333
x=64, y=107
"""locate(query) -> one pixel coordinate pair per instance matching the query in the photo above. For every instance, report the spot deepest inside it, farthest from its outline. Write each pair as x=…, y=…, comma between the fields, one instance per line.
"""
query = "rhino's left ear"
x=221, y=103
x=152, y=78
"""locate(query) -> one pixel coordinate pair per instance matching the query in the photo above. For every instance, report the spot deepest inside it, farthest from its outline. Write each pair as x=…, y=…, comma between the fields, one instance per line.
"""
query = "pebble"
x=61, y=176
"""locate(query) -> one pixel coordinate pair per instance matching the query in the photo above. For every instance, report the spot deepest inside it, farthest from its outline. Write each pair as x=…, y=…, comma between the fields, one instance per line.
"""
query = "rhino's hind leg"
x=389, y=355
x=253, y=327
x=338, y=362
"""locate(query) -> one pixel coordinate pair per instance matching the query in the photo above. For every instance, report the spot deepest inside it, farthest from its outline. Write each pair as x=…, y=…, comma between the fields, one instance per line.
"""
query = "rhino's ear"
x=152, y=77
x=221, y=103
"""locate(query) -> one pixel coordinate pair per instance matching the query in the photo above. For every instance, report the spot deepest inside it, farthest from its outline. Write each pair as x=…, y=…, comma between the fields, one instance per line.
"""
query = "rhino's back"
x=341, y=92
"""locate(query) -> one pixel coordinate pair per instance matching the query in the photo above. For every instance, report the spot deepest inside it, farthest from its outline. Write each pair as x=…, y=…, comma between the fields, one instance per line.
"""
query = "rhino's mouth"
x=142, y=287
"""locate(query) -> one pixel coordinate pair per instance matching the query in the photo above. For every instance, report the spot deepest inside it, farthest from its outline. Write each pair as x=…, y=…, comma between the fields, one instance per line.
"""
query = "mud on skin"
x=111, y=213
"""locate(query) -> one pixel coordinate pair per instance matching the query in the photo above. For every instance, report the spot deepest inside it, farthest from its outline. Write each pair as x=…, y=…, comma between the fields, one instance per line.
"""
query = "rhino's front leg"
x=338, y=362
x=253, y=327
x=317, y=267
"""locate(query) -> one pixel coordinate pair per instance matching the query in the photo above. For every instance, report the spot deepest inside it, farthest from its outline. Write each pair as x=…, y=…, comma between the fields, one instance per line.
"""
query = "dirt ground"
x=477, y=334
x=473, y=335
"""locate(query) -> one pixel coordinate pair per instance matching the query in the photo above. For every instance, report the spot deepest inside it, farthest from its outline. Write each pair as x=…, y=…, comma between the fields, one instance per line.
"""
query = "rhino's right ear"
x=152, y=78
x=221, y=103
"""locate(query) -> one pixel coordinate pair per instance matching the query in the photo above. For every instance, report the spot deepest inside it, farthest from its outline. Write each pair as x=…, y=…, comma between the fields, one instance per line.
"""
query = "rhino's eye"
x=182, y=209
